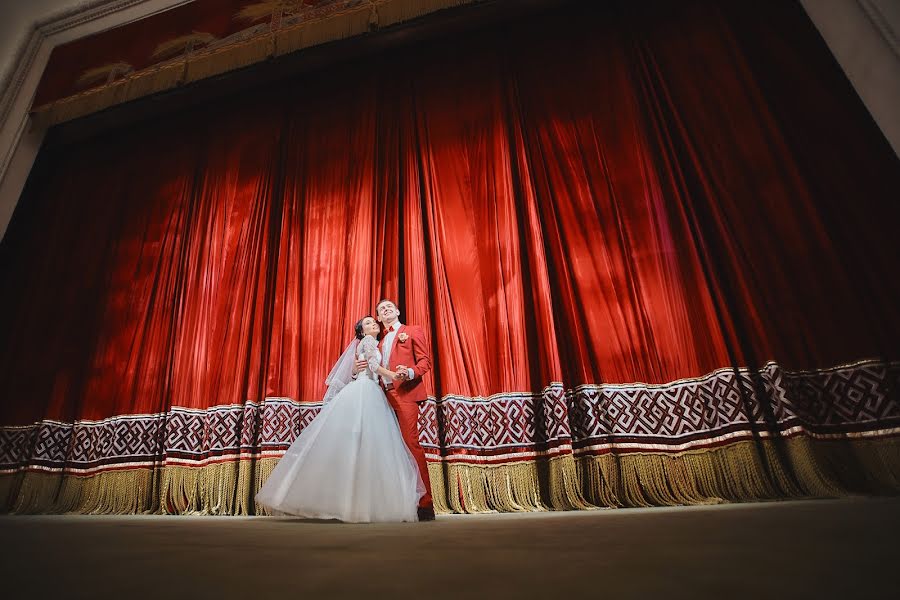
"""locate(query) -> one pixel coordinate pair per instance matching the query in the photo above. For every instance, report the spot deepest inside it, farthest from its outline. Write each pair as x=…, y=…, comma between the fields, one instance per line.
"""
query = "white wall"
x=29, y=30
x=864, y=36
x=16, y=19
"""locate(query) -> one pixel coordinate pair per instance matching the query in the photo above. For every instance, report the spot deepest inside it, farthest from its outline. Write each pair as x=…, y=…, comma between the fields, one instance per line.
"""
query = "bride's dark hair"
x=359, y=327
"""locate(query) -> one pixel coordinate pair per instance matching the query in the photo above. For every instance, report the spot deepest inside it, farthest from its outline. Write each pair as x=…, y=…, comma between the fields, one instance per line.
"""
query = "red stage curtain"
x=618, y=223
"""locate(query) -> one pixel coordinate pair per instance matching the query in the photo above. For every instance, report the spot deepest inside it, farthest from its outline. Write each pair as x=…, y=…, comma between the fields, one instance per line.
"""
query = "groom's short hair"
x=382, y=301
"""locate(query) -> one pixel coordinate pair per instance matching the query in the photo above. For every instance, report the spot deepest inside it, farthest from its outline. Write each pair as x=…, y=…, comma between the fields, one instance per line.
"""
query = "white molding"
x=43, y=31
x=863, y=39
x=19, y=143
x=13, y=80
x=883, y=24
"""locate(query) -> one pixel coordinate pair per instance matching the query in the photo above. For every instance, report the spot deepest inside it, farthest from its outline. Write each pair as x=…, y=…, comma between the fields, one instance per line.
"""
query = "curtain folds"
x=653, y=244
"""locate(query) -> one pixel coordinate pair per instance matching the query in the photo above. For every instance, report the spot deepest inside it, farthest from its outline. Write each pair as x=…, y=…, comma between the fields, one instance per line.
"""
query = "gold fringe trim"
x=329, y=29
x=743, y=471
x=390, y=12
x=551, y=484
x=264, y=468
x=10, y=484
x=156, y=80
x=113, y=492
x=203, y=64
x=230, y=58
x=739, y=472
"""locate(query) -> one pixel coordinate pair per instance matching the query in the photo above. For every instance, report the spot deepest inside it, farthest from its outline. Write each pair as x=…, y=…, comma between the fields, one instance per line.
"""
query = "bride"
x=350, y=463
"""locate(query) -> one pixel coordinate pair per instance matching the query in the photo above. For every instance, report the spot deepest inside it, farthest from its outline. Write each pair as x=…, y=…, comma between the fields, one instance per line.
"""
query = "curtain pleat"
x=653, y=245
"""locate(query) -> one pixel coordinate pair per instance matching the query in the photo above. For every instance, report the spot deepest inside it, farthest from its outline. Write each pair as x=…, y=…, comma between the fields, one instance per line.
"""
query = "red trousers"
x=408, y=417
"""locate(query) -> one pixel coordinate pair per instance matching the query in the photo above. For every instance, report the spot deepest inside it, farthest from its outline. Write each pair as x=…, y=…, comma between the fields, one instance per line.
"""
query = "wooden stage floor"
x=846, y=548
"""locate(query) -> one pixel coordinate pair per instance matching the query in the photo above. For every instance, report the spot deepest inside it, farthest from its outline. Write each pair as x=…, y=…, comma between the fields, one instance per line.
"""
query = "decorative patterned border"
x=722, y=407
x=183, y=436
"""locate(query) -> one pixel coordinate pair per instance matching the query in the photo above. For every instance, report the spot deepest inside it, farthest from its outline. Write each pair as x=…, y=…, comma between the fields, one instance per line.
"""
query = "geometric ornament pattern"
x=862, y=399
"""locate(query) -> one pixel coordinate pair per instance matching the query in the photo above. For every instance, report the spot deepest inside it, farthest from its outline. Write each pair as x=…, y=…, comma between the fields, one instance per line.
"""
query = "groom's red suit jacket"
x=415, y=354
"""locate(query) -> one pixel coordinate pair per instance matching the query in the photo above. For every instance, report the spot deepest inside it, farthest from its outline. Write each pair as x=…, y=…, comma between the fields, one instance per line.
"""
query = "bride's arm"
x=385, y=373
x=370, y=349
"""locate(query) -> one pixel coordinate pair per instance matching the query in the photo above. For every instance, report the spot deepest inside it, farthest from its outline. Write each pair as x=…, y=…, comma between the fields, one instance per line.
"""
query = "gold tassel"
x=37, y=492
x=10, y=484
x=230, y=58
x=565, y=489
x=391, y=12
x=158, y=80
x=739, y=472
x=509, y=487
x=600, y=477
x=334, y=27
x=85, y=103
x=816, y=480
x=438, y=485
x=845, y=466
x=264, y=468
x=877, y=460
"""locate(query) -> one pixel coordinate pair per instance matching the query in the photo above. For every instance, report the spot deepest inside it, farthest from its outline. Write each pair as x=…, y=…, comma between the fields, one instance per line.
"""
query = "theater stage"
x=844, y=548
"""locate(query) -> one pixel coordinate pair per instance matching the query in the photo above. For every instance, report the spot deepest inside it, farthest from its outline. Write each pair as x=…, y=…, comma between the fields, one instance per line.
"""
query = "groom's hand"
x=401, y=374
x=359, y=366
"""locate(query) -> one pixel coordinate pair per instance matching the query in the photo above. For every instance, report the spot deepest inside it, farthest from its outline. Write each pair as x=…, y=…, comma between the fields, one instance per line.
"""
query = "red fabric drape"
x=632, y=192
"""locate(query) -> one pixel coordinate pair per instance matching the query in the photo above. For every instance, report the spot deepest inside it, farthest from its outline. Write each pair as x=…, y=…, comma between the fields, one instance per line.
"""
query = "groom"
x=405, y=351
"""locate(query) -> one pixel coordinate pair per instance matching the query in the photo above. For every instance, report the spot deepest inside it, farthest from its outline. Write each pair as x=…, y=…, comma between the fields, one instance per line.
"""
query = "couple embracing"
x=360, y=459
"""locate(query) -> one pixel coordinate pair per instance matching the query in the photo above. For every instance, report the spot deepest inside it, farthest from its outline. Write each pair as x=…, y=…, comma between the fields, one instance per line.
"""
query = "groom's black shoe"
x=426, y=513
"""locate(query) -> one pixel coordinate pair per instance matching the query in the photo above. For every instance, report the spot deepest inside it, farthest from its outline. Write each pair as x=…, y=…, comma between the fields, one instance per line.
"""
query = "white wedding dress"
x=350, y=463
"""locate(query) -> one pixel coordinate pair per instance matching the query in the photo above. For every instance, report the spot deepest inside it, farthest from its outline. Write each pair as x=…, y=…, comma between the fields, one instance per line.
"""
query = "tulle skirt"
x=350, y=464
